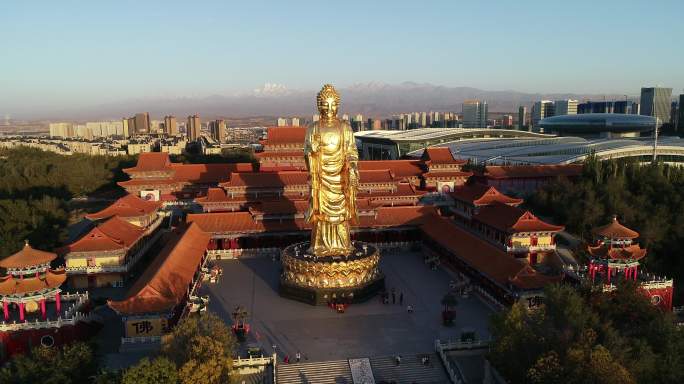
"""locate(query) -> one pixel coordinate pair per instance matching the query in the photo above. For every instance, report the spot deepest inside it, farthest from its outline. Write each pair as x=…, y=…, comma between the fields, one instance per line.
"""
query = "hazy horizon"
x=70, y=55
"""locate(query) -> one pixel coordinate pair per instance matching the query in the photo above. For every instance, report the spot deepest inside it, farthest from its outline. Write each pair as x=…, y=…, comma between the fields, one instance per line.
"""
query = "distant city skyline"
x=60, y=56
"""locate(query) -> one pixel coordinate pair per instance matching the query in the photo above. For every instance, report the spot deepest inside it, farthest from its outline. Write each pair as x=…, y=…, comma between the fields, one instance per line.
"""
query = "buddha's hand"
x=354, y=176
x=315, y=142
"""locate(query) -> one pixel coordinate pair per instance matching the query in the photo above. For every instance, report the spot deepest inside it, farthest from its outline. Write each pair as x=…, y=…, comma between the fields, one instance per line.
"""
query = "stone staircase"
x=324, y=372
x=411, y=370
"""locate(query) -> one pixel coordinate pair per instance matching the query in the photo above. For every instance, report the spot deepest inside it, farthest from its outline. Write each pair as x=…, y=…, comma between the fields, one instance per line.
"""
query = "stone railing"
x=227, y=254
x=215, y=254
x=531, y=248
x=489, y=298
x=456, y=376
x=253, y=364
x=453, y=369
x=71, y=319
x=141, y=340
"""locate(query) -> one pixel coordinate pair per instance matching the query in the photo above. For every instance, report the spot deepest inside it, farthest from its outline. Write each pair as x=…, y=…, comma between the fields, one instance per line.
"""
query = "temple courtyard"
x=364, y=330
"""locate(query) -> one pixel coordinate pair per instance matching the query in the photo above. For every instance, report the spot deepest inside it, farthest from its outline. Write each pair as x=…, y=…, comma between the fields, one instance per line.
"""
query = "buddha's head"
x=328, y=101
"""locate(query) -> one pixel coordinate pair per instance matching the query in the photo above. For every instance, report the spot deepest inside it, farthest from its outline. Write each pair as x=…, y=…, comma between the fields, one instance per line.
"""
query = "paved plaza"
x=368, y=329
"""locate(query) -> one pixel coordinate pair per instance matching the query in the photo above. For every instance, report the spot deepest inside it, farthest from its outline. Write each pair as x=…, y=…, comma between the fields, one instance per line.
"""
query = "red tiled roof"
x=148, y=181
x=631, y=252
x=16, y=286
x=165, y=282
x=440, y=155
x=127, y=206
x=512, y=219
x=403, y=189
x=480, y=195
x=27, y=257
x=281, y=168
x=202, y=173
x=151, y=161
x=489, y=260
x=400, y=168
x=279, y=207
x=267, y=180
x=112, y=234
x=286, y=135
x=448, y=174
x=214, y=195
x=376, y=176
x=269, y=154
x=244, y=222
x=528, y=278
x=528, y=171
x=615, y=230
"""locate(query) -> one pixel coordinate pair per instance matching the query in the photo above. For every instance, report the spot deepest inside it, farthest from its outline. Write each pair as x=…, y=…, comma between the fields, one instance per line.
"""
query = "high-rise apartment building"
x=282, y=122
x=474, y=114
x=170, y=125
x=142, y=123
x=64, y=130
x=295, y=121
x=680, y=115
x=126, y=129
x=655, y=101
x=218, y=130
x=616, y=106
x=193, y=127
x=540, y=110
x=522, y=117
x=565, y=107
x=357, y=123
x=507, y=121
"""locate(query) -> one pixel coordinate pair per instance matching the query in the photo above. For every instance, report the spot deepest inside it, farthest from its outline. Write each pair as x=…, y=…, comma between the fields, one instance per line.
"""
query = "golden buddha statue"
x=331, y=158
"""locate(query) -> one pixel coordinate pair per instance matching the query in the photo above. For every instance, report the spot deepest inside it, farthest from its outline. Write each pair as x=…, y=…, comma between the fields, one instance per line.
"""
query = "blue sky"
x=65, y=53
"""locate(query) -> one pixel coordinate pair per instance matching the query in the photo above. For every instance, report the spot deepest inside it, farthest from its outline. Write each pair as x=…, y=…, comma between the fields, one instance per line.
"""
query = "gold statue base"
x=344, y=279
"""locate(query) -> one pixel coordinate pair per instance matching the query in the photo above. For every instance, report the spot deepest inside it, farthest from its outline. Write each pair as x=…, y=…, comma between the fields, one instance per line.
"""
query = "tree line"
x=36, y=186
x=588, y=336
x=646, y=198
x=199, y=350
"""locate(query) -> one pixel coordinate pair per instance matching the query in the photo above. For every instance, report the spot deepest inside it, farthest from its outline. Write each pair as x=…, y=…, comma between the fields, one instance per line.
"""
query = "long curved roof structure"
x=598, y=122
x=562, y=150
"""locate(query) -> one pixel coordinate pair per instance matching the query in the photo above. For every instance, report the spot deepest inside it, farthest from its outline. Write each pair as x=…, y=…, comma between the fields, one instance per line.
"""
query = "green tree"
x=74, y=363
x=588, y=335
x=202, y=349
x=157, y=371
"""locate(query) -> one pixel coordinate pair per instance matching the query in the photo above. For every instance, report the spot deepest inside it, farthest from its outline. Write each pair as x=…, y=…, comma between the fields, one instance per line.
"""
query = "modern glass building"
x=595, y=125
x=655, y=101
x=614, y=106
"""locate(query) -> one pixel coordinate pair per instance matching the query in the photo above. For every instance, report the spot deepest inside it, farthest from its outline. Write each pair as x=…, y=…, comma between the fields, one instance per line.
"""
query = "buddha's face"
x=328, y=108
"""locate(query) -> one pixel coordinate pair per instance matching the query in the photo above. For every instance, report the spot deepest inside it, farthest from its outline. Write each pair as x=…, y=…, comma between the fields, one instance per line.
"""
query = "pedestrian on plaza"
x=298, y=356
x=398, y=360
x=394, y=297
x=286, y=360
x=409, y=308
x=401, y=298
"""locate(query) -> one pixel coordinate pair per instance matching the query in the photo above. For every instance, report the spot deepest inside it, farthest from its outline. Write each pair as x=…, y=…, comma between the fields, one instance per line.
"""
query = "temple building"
x=283, y=149
x=525, y=179
x=105, y=255
x=468, y=200
x=137, y=211
x=35, y=311
x=160, y=296
x=156, y=178
x=517, y=231
x=616, y=255
x=442, y=172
